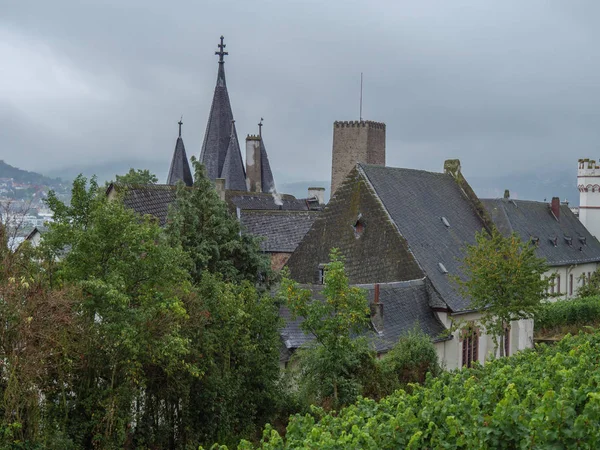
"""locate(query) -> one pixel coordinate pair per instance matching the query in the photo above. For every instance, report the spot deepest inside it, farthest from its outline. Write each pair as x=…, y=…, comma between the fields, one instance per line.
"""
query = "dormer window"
x=359, y=226
x=322, y=270
x=554, y=241
x=445, y=222
x=569, y=240
x=442, y=268
x=534, y=240
x=583, y=240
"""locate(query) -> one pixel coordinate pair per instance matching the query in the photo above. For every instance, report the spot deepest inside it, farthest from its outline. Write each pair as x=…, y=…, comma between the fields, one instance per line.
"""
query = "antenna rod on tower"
x=361, y=84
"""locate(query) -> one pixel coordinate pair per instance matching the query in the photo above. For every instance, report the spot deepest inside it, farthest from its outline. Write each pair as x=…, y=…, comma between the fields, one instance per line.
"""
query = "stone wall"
x=355, y=142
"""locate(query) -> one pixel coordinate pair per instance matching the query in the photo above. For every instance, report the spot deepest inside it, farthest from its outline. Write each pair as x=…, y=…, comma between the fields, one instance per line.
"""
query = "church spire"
x=217, y=138
x=233, y=168
x=180, y=167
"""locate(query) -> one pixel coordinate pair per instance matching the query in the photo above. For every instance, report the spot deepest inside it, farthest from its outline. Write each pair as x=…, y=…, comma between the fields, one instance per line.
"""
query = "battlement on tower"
x=253, y=137
x=359, y=123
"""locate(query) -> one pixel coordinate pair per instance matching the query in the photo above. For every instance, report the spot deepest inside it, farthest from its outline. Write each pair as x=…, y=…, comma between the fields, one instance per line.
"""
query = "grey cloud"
x=505, y=86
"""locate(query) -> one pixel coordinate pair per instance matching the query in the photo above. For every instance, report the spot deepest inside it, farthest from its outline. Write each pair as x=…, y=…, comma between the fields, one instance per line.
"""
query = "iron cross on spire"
x=260, y=125
x=180, y=123
x=221, y=53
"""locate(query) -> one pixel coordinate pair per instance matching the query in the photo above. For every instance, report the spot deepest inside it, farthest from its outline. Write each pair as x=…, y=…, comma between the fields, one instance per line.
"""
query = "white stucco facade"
x=568, y=279
x=450, y=351
x=588, y=183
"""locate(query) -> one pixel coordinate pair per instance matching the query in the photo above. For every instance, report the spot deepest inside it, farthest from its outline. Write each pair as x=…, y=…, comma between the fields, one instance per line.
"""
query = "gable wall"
x=379, y=255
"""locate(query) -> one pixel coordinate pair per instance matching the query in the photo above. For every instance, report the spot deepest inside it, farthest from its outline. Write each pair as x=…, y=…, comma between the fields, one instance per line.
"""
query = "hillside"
x=26, y=177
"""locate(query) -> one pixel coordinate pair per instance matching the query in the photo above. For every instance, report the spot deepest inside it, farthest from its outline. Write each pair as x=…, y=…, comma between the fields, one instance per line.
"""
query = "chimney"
x=555, y=206
x=253, y=164
x=318, y=193
x=452, y=167
x=220, y=187
x=376, y=311
x=506, y=194
x=360, y=141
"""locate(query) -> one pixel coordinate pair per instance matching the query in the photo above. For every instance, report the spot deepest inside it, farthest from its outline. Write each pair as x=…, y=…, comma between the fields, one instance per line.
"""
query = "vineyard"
x=540, y=399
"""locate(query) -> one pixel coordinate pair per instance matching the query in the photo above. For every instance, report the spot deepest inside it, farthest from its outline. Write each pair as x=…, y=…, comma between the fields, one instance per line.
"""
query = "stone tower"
x=588, y=183
x=353, y=142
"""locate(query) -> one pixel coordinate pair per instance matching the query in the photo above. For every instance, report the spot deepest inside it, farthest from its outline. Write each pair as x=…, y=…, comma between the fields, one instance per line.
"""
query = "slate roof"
x=153, y=199
x=530, y=219
x=218, y=130
x=265, y=201
x=281, y=231
x=404, y=304
x=233, y=168
x=180, y=166
x=266, y=177
x=417, y=200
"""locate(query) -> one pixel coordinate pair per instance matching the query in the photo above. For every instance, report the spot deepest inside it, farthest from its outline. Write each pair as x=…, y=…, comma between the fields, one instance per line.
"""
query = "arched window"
x=470, y=345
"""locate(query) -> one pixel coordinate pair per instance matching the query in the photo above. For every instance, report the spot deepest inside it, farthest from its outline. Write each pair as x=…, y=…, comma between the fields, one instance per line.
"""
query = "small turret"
x=588, y=183
x=180, y=167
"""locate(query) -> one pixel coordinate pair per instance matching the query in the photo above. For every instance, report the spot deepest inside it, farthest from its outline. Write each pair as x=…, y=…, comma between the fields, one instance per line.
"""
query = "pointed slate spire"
x=180, y=167
x=217, y=136
x=233, y=168
x=266, y=177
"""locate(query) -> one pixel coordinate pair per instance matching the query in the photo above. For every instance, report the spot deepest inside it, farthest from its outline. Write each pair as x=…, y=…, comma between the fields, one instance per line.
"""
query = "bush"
x=534, y=399
x=408, y=362
x=581, y=311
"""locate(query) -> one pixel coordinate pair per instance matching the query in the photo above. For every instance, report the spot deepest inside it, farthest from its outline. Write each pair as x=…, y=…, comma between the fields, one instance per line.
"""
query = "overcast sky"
x=504, y=85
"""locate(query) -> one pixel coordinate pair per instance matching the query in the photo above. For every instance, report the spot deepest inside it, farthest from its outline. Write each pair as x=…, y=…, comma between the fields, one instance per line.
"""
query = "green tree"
x=201, y=223
x=140, y=176
x=591, y=288
x=134, y=286
x=503, y=279
x=330, y=367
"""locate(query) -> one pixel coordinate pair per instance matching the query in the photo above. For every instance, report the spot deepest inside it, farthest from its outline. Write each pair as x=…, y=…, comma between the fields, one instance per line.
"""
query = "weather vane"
x=260, y=125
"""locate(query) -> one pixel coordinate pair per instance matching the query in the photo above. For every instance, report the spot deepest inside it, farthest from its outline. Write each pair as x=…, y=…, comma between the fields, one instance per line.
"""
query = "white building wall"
x=588, y=183
x=564, y=272
x=450, y=351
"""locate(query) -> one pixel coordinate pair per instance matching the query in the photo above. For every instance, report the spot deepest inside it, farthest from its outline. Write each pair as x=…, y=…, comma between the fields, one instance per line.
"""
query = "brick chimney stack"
x=555, y=206
x=253, y=164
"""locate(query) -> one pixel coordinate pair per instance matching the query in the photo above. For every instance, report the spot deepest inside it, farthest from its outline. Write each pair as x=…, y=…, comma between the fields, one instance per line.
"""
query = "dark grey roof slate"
x=405, y=304
x=266, y=177
x=218, y=129
x=416, y=201
x=264, y=201
x=281, y=231
x=152, y=199
x=180, y=167
x=233, y=169
x=531, y=219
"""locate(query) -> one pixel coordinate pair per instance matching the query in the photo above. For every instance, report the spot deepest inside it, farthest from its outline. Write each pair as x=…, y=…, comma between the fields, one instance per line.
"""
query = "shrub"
x=581, y=311
x=409, y=361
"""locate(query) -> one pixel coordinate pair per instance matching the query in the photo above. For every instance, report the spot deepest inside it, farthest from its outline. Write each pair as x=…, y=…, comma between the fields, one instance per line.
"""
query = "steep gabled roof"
x=534, y=220
x=149, y=199
x=218, y=128
x=266, y=177
x=233, y=168
x=418, y=202
x=405, y=304
x=281, y=231
x=180, y=167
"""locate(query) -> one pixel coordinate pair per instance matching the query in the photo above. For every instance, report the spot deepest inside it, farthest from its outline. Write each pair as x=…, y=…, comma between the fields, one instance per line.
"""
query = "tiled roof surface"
x=281, y=231
x=531, y=219
x=180, y=166
x=218, y=129
x=405, y=305
x=267, y=182
x=264, y=201
x=417, y=201
x=153, y=199
x=233, y=168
